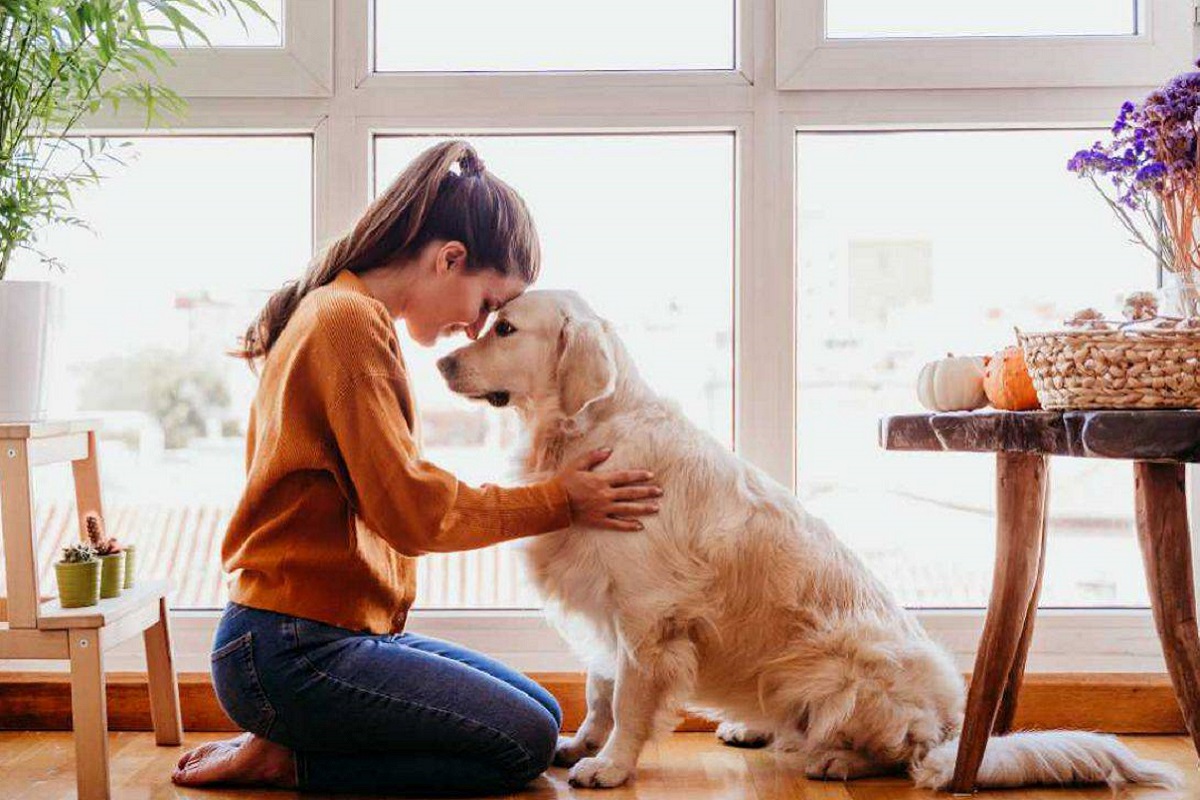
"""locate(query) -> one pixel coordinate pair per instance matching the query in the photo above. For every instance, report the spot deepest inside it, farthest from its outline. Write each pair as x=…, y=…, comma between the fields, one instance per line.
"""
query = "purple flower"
x=1122, y=119
x=1151, y=156
x=1151, y=172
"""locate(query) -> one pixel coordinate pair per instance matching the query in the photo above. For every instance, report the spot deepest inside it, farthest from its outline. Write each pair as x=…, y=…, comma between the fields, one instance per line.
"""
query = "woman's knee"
x=548, y=702
x=538, y=738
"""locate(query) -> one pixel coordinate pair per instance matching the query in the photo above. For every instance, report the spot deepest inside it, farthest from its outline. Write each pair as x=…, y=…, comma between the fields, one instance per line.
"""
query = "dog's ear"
x=587, y=371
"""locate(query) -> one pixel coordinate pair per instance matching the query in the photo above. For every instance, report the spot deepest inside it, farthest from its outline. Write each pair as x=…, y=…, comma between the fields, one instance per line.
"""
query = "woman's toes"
x=201, y=750
x=193, y=754
x=216, y=765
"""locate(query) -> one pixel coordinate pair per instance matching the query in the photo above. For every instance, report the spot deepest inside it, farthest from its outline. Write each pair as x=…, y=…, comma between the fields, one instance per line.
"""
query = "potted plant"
x=111, y=556
x=78, y=575
x=61, y=60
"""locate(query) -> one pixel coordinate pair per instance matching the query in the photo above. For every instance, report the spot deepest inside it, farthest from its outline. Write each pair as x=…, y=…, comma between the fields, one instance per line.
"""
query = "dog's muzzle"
x=448, y=366
x=497, y=399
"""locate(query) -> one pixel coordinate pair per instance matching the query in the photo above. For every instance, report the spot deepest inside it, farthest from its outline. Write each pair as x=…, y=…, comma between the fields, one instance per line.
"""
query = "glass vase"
x=1179, y=296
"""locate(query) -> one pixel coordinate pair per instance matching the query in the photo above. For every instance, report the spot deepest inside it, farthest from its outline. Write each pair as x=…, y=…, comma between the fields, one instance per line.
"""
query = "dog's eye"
x=505, y=328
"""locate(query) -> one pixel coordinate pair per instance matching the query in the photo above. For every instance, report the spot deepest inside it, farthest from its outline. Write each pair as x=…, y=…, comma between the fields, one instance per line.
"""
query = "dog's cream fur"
x=733, y=601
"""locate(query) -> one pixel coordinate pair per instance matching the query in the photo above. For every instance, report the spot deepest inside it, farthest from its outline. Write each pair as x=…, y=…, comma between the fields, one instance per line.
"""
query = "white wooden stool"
x=46, y=630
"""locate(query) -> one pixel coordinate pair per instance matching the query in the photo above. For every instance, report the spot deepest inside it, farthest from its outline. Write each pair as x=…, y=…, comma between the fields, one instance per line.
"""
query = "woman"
x=309, y=657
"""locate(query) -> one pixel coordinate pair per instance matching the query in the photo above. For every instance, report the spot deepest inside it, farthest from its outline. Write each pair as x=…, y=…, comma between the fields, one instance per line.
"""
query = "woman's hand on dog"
x=608, y=499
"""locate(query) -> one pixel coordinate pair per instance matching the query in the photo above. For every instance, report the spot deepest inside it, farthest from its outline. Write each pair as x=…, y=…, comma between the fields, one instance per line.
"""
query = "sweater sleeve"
x=414, y=505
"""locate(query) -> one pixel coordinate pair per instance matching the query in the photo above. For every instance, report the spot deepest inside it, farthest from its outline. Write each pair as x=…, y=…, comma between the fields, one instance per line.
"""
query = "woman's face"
x=449, y=299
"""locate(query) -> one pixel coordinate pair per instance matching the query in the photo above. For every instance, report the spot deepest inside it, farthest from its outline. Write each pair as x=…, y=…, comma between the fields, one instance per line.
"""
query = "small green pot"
x=130, y=564
x=112, y=574
x=78, y=583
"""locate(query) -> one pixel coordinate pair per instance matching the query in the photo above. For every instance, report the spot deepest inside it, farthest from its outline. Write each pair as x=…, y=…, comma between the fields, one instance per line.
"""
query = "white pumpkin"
x=952, y=384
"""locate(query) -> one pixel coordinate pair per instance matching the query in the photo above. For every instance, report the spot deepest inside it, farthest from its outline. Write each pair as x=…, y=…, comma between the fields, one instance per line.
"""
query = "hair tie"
x=470, y=164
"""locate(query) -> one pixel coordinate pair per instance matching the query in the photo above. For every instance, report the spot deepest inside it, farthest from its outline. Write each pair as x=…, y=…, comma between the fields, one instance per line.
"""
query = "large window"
x=780, y=237
x=187, y=240
x=535, y=35
x=911, y=245
x=642, y=227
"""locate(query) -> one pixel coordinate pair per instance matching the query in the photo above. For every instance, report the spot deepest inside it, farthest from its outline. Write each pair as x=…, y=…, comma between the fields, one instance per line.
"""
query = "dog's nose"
x=447, y=365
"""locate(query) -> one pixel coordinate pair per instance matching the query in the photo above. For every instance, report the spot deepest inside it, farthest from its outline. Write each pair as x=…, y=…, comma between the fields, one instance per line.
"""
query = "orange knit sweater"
x=338, y=501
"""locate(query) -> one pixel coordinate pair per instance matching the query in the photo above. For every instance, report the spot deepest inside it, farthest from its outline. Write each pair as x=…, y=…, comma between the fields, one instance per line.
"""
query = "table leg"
x=1021, y=494
x=1008, y=703
x=1162, y=525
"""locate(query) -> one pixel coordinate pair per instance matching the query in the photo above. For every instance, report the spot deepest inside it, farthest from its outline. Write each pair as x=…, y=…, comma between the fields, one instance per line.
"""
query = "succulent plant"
x=103, y=544
x=79, y=553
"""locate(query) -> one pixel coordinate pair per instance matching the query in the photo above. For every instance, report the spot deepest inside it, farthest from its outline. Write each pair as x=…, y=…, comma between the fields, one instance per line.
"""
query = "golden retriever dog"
x=733, y=601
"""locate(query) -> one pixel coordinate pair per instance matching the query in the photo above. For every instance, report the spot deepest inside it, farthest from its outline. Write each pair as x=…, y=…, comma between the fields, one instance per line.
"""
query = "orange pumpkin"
x=1007, y=383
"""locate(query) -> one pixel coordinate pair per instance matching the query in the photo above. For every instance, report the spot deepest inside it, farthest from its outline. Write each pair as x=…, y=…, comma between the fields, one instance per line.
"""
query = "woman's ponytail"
x=426, y=202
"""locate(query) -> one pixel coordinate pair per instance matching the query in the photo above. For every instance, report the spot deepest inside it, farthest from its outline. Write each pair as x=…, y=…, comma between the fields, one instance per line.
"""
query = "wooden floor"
x=39, y=766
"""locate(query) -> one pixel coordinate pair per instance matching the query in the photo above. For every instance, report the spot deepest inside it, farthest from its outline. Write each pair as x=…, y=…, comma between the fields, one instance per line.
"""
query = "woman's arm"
x=419, y=507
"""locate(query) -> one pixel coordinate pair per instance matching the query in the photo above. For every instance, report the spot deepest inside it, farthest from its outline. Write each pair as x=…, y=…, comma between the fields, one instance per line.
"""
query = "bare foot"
x=246, y=760
x=196, y=753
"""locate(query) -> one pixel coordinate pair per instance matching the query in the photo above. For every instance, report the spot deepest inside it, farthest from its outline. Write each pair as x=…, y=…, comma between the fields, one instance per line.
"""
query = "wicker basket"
x=1128, y=368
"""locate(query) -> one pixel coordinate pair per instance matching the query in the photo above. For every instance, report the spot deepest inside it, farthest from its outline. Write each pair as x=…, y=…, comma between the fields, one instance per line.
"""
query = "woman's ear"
x=451, y=256
x=587, y=371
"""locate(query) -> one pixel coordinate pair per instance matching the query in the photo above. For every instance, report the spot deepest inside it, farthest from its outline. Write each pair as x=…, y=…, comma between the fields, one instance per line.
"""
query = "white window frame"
x=807, y=59
x=302, y=67
x=364, y=74
x=765, y=121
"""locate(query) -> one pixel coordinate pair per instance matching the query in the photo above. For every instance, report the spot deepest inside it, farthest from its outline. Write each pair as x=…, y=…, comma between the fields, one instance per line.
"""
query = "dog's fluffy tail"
x=1048, y=758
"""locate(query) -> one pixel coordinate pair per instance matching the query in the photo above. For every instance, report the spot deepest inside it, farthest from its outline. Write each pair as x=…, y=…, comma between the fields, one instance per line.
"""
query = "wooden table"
x=1158, y=443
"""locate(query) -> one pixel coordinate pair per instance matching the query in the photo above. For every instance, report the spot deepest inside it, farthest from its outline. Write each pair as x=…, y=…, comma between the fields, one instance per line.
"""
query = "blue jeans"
x=381, y=714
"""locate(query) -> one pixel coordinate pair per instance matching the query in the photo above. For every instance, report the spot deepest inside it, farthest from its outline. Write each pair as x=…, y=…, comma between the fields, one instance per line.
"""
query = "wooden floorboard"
x=39, y=765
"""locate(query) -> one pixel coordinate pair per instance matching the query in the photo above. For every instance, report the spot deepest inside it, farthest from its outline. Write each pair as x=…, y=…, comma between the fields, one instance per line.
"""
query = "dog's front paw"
x=598, y=773
x=571, y=749
x=735, y=734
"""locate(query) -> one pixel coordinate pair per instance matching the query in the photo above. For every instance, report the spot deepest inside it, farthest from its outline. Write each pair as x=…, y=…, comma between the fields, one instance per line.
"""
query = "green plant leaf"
x=61, y=60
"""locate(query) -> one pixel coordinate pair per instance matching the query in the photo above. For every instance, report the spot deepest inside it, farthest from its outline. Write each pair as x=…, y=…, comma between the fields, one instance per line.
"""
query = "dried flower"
x=1088, y=318
x=1140, y=306
x=1147, y=172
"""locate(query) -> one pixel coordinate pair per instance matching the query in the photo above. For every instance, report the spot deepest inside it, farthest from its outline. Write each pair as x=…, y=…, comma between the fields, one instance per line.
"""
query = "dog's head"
x=544, y=347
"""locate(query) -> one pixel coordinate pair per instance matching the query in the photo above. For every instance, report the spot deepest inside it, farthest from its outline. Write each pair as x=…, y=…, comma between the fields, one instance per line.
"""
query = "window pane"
x=536, y=35
x=642, y=227
x=226, y=30
x=871, y=19
x=912, y=245
x=190, y=238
